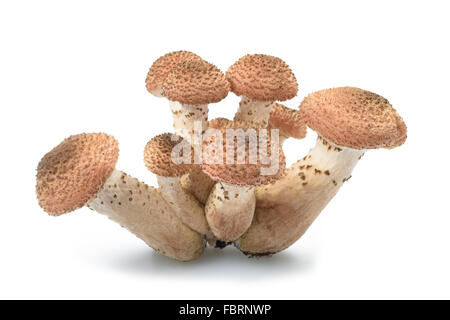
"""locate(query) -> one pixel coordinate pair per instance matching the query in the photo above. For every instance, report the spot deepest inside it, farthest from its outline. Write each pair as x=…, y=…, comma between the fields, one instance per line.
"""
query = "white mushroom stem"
x=229, y=210
x=189, y=119
x=184, y=204
x=255, y=111
x=285, y=209
x=143, y=211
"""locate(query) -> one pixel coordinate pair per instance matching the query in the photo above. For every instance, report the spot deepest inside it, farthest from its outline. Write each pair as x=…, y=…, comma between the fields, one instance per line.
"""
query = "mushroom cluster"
x=223, y=182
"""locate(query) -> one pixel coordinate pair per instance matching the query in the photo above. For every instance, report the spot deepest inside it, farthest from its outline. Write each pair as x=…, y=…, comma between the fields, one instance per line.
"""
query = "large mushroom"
x=80, y=171
x=260, y=80
x=159, y=158
x=161, y=68
x=348, y=121
x=228, y=160
x=190, y=87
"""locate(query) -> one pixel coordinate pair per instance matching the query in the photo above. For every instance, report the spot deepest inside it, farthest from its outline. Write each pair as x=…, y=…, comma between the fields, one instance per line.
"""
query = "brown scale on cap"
x=247, y=174
x=354, y=118
x=158, y=156
x=195, y=83
x=74, y=171
x=162, y=66
x=262, y=78
x=291, y=123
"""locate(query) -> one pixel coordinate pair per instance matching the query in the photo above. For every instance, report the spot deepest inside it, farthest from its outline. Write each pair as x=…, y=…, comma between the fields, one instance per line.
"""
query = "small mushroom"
x=190, y=87
x=290, y=122
x=161, y=68
x=348, y=121
x=231, y=203
x=196, y=182
x=260, y=80
x=158, y=159
x=80, y=171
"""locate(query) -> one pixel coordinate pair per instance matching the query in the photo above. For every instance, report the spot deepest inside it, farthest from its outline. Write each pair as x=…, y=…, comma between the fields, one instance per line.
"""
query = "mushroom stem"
x=229, y=210
x=254, y=111
x=197, y=183
x=189, y=119
x=285, y=209
x=184, y=204
x=143, y=211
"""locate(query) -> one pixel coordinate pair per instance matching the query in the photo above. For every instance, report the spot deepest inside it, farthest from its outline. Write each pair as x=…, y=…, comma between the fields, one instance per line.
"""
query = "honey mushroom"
x=260, y=80
x=158, y=158
x=161, y=68
x=230, y=206
x=80, y=171
x=190, y=87
x=348, y=121
x=289, y=122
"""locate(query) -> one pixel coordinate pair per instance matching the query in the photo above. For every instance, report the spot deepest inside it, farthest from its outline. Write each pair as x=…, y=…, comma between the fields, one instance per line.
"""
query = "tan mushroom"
x=161, y=68
x=190, y=87
x=80, y=171
x=231, y=203
x=289, y=122
x=195, y=182
x=260, y=80
x=348, y=121
x=159, y=157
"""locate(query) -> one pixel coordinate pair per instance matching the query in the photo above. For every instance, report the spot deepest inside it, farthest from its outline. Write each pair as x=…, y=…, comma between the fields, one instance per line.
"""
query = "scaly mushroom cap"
x=246, y=174
x=158, y=156
x=354, y=118
x=163, y=65
x=290, y=122
x=262, y=78
x=195, y=82
x=74, y=172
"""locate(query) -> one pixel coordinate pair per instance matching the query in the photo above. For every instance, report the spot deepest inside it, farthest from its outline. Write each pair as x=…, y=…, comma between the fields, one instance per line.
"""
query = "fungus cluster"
x=223, y=181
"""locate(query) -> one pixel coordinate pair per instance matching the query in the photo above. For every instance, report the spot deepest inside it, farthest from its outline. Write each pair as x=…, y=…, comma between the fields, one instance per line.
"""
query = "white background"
x=79, y=66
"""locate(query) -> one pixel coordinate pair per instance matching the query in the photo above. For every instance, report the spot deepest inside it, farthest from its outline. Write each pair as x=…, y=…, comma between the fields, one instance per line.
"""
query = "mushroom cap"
x=158, y=156
x=290, y=122
x=75, y=171
x=262, y=78
x=195, y=82
x=162, y=66
x=241, y=174
x=354, y=118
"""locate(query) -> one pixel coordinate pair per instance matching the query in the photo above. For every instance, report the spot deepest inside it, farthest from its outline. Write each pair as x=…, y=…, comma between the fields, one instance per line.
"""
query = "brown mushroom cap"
x=195, y=82
x=75, y=171
x=163, y=65
x=247, y=174
x=158, y=156
x=290, y=122
x=262, y=78
x=354, y=118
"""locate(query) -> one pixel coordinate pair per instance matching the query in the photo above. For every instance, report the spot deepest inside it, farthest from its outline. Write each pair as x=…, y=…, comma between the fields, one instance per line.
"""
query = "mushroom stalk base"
x=189, y=120
x=254, y=111
x=143, y=211
x=229, y=210
x=285, y=209
x=184, y=204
